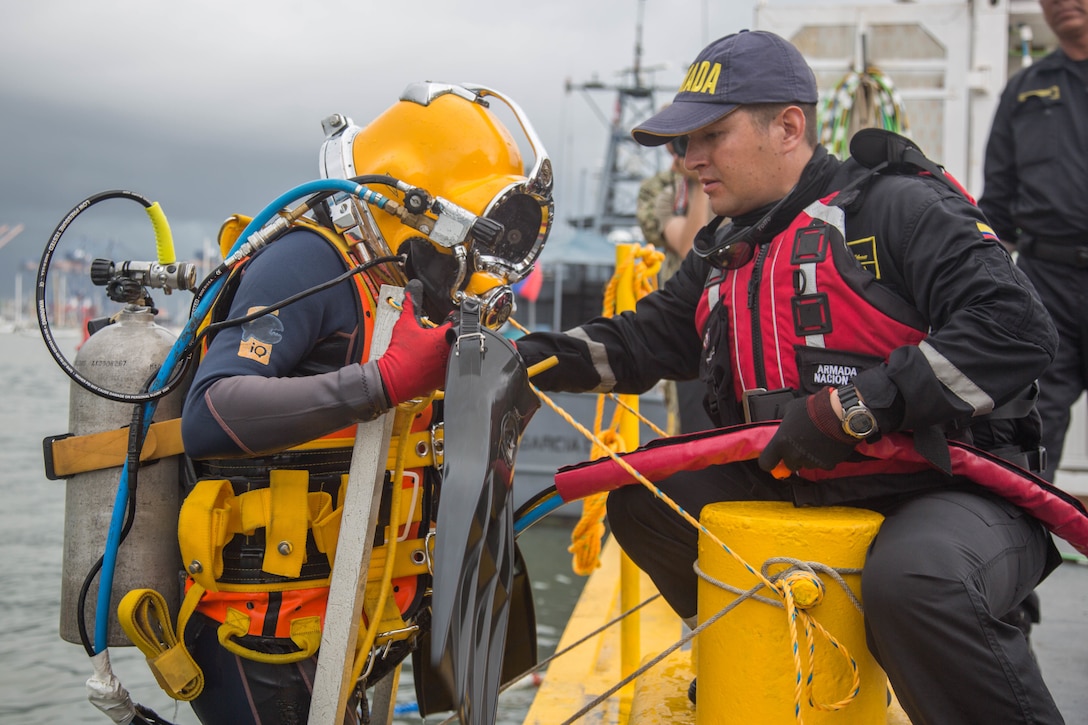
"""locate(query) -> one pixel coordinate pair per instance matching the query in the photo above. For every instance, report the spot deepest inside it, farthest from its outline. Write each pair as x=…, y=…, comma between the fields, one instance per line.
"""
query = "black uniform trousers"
x=1063, y=289
x=946, y=565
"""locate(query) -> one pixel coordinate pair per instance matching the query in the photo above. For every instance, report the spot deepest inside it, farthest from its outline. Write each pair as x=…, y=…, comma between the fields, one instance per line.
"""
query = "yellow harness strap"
x=286, y=532
x=204, y=528
x=109, y=448
x=424, y=449
x=171, y=660
x=212, y=515
x=325, y=525
x=305, y=633
x=389, y=619
x=145, y=618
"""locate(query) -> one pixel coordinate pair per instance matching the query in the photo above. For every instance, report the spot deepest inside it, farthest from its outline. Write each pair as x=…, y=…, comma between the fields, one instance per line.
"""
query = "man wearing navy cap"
x=857, y=303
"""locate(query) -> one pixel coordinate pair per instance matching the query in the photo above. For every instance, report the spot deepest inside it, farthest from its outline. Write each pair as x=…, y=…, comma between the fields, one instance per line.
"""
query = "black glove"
x=575, y=371
x=809, y=436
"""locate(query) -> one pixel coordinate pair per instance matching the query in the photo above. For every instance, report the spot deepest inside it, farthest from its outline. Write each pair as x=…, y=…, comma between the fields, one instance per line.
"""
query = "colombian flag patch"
x=987, y=232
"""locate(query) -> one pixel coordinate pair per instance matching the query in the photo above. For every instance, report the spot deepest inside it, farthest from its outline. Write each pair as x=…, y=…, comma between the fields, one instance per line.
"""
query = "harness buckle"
x=760, y=404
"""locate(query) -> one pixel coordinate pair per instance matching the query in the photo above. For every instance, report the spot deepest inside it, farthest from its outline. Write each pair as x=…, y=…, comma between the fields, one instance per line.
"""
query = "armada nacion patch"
x=820, y=367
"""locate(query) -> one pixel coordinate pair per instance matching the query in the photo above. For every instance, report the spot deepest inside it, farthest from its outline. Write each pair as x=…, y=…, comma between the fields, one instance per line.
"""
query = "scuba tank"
x=121, y=356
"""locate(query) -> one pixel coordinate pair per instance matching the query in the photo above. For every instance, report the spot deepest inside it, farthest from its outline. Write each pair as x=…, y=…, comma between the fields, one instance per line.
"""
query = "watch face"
x=860, y=423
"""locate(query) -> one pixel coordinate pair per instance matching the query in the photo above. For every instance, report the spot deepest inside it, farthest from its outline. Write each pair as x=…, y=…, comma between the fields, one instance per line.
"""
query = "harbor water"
x=44, y=676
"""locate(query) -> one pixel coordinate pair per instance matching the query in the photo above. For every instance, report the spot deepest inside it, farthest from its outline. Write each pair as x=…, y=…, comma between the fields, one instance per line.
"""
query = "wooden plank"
x=332, y=685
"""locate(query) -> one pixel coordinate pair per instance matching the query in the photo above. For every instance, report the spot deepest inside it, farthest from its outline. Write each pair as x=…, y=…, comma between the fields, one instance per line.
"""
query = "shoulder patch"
x=864, y=250
x=259, y=336
x=986, y=231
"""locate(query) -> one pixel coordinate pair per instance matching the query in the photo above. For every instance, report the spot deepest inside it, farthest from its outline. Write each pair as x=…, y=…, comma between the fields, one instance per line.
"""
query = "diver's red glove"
x=414, y=364
x=809, y=436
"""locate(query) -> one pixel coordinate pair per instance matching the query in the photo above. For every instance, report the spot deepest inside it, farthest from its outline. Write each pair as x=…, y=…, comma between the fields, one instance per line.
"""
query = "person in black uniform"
x=894, y=308
x=1036, y=174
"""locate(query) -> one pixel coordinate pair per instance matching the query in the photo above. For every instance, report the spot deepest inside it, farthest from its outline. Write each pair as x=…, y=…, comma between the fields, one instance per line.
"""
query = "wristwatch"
x=857, y=420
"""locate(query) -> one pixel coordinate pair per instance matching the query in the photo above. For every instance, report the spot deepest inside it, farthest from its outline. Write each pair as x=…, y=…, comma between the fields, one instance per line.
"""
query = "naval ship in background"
x=577, y=265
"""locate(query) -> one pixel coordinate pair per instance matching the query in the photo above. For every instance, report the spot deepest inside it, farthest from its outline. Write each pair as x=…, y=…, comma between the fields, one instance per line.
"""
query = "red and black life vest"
x=805, y=314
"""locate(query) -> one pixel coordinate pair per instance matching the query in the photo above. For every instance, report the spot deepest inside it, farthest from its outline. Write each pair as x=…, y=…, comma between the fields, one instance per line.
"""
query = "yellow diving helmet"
x=444, y=139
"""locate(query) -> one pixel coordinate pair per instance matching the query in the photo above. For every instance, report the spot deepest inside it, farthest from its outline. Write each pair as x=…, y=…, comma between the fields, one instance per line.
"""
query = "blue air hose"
x=120, y=504
x=540, y=509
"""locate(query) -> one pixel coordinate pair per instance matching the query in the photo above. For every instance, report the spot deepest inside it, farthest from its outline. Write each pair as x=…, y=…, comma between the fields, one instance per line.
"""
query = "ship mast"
x=626, y=163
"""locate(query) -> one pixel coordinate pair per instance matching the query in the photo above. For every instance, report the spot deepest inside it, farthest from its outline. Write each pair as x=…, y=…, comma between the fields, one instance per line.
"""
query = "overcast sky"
x=213, y=107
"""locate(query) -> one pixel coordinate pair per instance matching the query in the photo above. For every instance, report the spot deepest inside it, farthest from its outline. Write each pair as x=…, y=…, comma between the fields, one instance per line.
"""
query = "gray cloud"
x=213, y=108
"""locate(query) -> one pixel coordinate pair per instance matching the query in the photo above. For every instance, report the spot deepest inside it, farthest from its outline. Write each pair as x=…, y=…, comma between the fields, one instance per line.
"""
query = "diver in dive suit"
x=269, y=418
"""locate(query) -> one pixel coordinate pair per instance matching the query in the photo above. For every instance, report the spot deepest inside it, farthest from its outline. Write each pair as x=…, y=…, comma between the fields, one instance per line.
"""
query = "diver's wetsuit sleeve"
x=262, y=415
x=286, y=377
x=630, y=352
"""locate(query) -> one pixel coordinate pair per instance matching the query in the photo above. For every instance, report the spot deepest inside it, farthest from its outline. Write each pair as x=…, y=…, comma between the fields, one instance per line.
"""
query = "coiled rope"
x=867, y=99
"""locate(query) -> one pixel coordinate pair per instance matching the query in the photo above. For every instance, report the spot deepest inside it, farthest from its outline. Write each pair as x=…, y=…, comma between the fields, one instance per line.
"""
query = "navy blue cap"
x=746, y=67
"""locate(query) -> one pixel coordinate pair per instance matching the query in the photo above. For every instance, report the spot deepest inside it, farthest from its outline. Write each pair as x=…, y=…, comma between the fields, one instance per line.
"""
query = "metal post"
x=630, y=629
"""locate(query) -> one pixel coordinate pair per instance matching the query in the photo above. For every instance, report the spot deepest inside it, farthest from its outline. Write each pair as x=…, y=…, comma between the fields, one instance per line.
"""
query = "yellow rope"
x=642, y=419
x=642, y=265
x=585, y=538
x=588, y=533
x=804, y=685
x=645, y=265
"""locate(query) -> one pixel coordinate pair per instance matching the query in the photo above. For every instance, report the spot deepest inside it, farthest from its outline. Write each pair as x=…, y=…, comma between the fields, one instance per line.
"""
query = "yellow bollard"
x=745, y=661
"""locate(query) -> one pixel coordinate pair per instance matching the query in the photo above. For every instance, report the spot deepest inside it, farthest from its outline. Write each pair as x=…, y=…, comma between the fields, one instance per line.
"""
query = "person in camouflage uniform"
x=664, y=202
x=654, y=193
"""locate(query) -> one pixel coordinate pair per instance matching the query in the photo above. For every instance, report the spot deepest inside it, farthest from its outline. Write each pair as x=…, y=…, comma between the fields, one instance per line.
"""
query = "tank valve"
x=125, y=281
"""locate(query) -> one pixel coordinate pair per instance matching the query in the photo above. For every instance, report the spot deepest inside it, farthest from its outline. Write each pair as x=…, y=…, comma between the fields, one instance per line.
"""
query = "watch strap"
x=848, y=398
